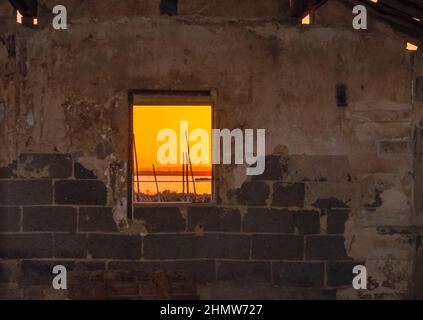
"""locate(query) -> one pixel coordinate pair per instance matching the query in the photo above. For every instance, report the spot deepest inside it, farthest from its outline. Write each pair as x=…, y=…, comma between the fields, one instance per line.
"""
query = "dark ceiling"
x=404, y=15
x=28, y=8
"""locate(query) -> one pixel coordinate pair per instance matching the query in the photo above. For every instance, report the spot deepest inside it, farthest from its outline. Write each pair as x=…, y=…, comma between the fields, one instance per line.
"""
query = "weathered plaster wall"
x=418, y=183
x=67, y=92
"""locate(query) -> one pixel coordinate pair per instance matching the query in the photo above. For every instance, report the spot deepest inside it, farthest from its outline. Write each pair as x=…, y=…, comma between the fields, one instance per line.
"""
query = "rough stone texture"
x=168, y=219
x=96, y=219
x=268, y=220
x=10, y=219
x=173, y=246
x=8, y=271
x=26, y=246
x=25, y=192
x=103, y=246
x=247, y=271
x=288, y=195
x=223, y=246
x=325, y=248
x=222, y=8
x=277, y=247
x=70, y=245
x=38, y=272
x=80, y=172
x=298, y=274
x=82, y=192
x=169, y=246
x=419, y=88
x=203, y=271
x=253, y=193
x=275, y=168
x=366, y=158
x=318, y=168
x=49, y=219
x=340, y=273
x=212, y=219
x=45, y=165
x=9, y=171
x=307, y=221
x=394, y=146
x=336, y=219
x=418, y=276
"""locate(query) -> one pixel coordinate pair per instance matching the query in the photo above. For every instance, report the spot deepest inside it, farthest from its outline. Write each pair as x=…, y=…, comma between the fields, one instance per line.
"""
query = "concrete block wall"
x=48, y=206
x=349, y=175
x=53, y=211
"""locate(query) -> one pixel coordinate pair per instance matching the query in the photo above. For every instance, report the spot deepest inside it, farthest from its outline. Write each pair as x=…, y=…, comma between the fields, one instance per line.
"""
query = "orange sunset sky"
x=148, y=120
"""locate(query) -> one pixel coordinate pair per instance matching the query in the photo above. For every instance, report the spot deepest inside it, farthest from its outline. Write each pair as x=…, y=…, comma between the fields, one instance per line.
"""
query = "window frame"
x=166, y=97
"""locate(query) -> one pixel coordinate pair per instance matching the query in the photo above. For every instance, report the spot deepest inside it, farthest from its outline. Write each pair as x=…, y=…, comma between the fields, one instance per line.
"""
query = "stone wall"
x=341, y=184
x=53, y=211
x=284, y=229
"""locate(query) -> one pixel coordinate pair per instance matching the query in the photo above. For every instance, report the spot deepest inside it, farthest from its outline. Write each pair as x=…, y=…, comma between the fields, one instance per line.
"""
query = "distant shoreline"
x=173, y=173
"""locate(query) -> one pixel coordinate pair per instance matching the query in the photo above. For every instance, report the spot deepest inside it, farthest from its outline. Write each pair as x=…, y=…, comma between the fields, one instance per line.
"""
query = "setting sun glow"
x=148, y=121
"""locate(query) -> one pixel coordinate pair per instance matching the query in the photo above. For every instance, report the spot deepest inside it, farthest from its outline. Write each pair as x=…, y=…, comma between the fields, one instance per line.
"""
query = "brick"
x=9, y=171
x=254, y=193
x=290, y=247
x=202, y=271
x=49, y=219
x=82, y=192
x=168, y=246
x=288, y=195
x=237, y=270
x=114, y=246
x=341, y=273
x=9, y=271
x=26, y=246
x=214, y=219
x=298, y=274
x=70, y=245
x=307, y=221
x=326, y=203
x=223, y=246
x=325, y=248
x=161, y=219
x=185, y=246
x=39, y=165
x=275, y=168
x=40, y=272
x=25, y=192
x=96, y=219
x=81, y=172
x=268, y=220
x=10, y=219
x=336, y=219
